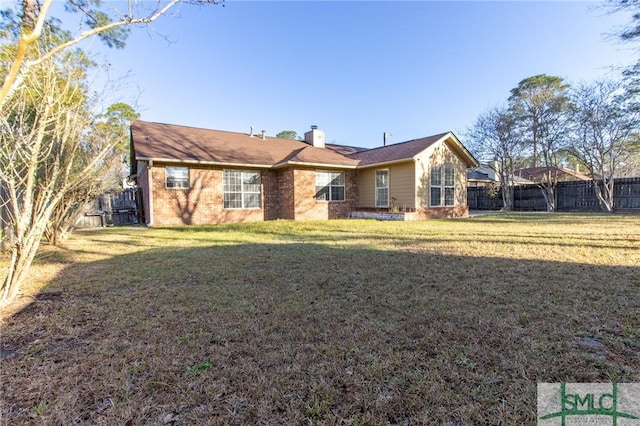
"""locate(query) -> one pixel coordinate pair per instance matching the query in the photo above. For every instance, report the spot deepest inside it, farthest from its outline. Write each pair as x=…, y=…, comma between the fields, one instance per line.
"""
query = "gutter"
x=209, y=163
x=386, y=163
x=254, y=166
x=300, y=163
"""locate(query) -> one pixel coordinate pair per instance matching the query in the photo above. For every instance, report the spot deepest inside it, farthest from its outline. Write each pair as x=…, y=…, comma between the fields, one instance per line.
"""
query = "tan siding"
x=366, y=185
x=441, y=155
x=401, y=185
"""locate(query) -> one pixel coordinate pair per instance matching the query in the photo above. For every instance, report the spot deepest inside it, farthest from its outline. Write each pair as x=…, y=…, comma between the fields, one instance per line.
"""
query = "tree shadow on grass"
x=297, y=333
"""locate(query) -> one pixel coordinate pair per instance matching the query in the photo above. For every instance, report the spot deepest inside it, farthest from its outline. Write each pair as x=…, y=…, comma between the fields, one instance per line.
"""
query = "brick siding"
x=305, y=205
x=442, y=212
x=286, y=194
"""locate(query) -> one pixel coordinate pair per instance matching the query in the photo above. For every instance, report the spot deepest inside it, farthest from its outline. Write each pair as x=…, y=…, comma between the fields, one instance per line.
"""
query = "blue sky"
x=357, y=69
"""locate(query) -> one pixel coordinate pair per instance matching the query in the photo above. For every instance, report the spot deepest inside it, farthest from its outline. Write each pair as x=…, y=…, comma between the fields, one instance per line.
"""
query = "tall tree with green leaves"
x=630, y=34
x=539, y=105
x=287, y=134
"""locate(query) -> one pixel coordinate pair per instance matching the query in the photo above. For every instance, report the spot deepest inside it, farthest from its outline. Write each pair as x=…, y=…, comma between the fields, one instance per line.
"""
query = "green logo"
x=585, y=399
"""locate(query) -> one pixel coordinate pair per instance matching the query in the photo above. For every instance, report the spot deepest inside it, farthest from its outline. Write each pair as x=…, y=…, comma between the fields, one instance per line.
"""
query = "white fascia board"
x=387, y=163
x=207, y=163
x=323, y=165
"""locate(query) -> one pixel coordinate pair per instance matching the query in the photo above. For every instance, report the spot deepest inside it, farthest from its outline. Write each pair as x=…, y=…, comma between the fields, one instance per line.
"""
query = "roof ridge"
x=438, y=135
x=206, y=129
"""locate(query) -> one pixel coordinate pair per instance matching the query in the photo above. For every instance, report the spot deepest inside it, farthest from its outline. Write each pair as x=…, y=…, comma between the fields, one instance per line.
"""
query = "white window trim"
x=242, y=191
x=445, y=186
x=432, y=186
x=166, y=178
x=344, y=186
x=381, y=187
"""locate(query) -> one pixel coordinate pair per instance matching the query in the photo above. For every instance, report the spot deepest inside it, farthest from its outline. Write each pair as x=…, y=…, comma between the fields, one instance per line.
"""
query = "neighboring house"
x=485, y=175
x=198, y=176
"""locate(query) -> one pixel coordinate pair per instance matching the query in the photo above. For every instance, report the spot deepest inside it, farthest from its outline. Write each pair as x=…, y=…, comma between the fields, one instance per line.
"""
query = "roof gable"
x=410, y=149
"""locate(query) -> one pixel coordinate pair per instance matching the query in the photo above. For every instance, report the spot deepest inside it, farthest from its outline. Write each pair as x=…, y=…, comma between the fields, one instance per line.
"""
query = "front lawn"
x=334, y=322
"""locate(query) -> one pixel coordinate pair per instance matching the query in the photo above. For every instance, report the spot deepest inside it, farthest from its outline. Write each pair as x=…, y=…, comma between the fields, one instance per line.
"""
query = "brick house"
x=189, y=175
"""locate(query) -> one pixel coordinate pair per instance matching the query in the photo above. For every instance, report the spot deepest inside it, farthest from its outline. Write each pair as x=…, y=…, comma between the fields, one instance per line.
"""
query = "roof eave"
x=386, y=163
x=207, y=163
x=305, y=164
x=472, y=162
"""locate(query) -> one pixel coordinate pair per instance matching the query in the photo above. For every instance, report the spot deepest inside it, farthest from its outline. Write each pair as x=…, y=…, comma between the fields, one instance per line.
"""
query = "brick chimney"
x=315, y=137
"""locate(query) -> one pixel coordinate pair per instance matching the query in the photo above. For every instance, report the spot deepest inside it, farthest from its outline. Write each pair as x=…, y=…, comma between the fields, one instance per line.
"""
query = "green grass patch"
x=332, y=322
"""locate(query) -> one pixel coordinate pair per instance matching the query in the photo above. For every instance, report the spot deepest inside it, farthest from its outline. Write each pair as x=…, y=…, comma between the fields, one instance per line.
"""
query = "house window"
x=382, y=188
x=449, y=186
x=241, y=189
x=443, y=186
x=177, y=177
x=329, y=186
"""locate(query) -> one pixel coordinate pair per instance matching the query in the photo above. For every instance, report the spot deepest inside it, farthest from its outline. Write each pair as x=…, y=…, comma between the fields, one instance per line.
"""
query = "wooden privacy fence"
x=570, y=196
x=111, y=209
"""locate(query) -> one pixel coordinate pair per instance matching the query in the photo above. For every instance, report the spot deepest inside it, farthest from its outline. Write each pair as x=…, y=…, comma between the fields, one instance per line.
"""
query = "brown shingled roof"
x=173, y=143
x=168, y=142
x=395, y=152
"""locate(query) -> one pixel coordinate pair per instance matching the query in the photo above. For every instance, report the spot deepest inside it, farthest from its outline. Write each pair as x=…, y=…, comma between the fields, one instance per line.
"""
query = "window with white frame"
x=177, y=177
x=241, y=189
x=436, y=186
x=449, y=186
x=443, y=188
x=382, y=188
x=329, y=185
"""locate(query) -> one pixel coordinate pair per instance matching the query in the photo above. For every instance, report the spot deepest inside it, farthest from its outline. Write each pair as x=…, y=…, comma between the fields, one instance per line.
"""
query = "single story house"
x=191, y=175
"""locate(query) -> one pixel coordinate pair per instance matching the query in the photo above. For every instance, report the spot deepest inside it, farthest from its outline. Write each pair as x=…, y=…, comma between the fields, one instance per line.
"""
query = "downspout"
x=150, y=197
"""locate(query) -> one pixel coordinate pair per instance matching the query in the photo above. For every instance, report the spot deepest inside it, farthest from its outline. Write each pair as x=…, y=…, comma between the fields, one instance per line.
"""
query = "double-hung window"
x=177, y=177
x=442, y=186
x=329, y=186
x=241, y=189
x=449, y=186
x=382, y=188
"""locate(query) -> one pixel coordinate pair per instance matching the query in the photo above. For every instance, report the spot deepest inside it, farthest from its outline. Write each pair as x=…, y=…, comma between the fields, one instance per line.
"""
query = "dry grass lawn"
x=337, y=322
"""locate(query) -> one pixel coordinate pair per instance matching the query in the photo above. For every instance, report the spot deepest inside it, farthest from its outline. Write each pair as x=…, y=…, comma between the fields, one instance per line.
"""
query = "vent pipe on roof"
x=250, y=131
x=384, y=138
x=263, y=134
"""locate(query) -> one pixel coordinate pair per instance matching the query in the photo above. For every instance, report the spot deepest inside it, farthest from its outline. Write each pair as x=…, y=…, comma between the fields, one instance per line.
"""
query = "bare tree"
x=605, y=134
x=46, y=117
x=40, y=141
x=494, y=139
x=111, y=129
